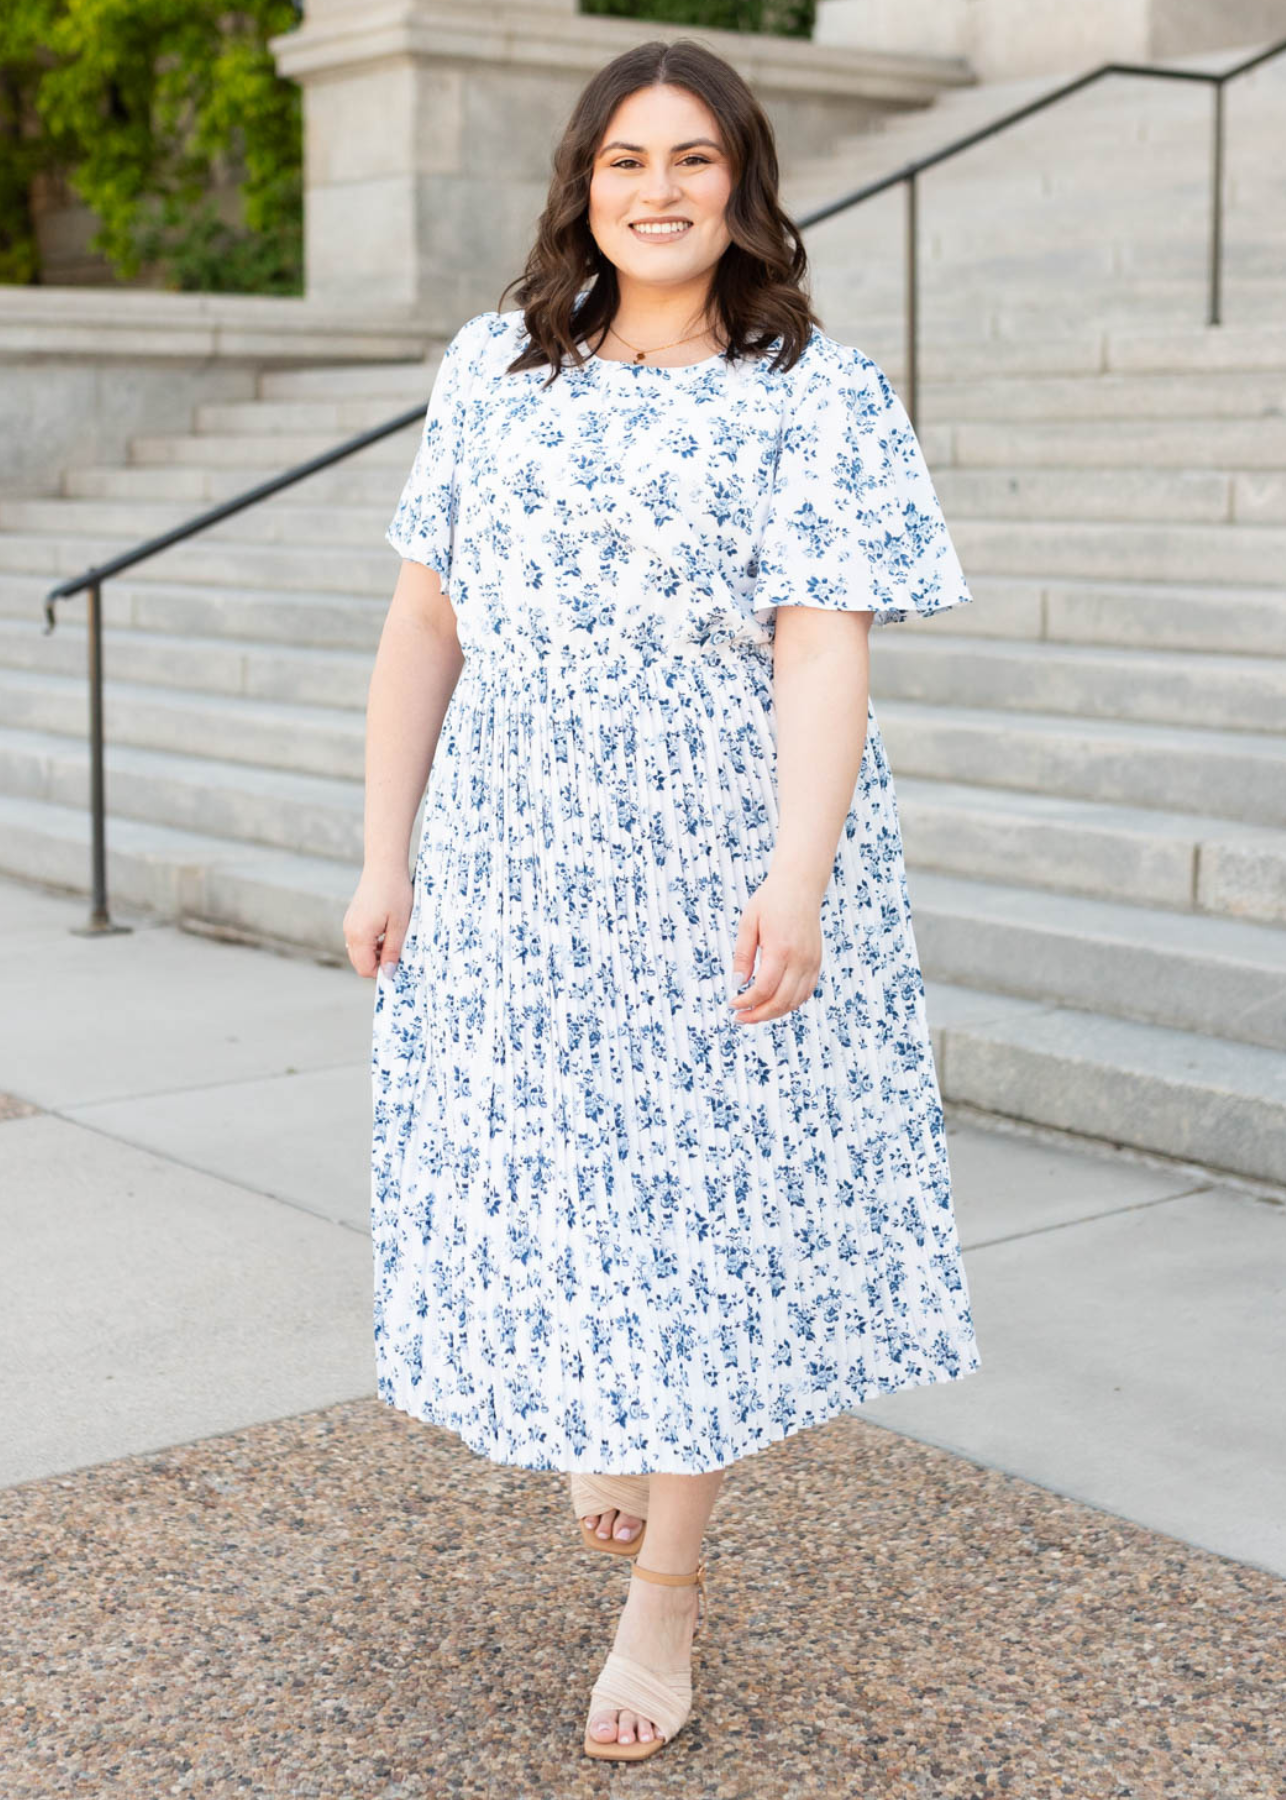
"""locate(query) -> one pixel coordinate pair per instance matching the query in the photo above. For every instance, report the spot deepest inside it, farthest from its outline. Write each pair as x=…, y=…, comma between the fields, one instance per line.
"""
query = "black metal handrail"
x=909, y=172
x=92, y=580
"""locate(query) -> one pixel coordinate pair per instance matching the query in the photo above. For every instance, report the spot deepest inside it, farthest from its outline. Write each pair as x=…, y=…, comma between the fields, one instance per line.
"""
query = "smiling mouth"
x=665, y=231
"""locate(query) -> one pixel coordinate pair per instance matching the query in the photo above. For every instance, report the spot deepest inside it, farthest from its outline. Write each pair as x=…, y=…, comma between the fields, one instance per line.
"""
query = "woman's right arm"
x=416, y=668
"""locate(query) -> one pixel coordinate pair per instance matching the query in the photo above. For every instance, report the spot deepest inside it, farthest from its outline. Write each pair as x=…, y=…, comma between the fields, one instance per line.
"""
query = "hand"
x=377, y=917
x=783, y=921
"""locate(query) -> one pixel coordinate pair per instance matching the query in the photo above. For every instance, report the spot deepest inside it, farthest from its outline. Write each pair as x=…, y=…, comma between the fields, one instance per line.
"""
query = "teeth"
x=661, y=230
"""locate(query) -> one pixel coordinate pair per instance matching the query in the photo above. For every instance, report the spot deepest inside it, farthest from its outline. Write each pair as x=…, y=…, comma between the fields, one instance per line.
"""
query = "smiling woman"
x=659, y=1170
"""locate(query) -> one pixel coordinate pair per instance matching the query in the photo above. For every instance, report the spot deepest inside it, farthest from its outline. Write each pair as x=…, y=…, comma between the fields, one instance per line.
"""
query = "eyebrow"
x=616, y=144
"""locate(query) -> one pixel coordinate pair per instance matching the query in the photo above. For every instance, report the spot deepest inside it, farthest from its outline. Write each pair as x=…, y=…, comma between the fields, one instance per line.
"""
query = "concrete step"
x=1185, y=688
x=350, y=482
x=951, y=326
x=1206, y=1100
x=1161, y=186
x=215, y=561
x=392, y=380
x=1237, y=775
x=270, y=454
x=1139, y=855
x=314, y=740
x=307, y=814
x=1228, y=446
x=334, y=418
x=1106, y=550
x=1125, y=494
x=1149, y=615
x=300, y=674
x=182, y=609
x=397, y=382
x=285, y=519
x=1214, y=394
x=1220, y=977
x=270, y=895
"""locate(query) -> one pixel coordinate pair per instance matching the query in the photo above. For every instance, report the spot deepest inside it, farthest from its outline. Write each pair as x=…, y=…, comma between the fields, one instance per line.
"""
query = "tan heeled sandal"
x=595, y=1494
x=663, y=1696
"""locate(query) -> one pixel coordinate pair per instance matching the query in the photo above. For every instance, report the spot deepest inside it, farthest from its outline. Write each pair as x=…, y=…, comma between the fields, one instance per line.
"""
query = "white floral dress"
x=614, y=1230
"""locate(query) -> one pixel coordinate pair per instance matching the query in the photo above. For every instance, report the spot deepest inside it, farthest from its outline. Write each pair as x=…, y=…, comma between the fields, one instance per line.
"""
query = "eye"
x=694, y=156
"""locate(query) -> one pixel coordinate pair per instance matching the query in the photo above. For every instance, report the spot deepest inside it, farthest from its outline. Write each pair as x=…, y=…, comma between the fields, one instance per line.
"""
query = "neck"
x=649, y=315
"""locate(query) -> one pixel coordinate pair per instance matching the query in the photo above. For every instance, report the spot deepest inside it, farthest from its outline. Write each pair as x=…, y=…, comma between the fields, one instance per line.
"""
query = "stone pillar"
x=430, y=127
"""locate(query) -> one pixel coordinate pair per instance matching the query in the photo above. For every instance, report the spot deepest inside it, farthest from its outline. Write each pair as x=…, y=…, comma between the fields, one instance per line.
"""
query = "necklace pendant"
x=640, y=356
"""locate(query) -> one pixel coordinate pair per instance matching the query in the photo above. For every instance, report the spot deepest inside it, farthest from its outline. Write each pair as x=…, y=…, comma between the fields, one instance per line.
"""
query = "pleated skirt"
x=613, y=1229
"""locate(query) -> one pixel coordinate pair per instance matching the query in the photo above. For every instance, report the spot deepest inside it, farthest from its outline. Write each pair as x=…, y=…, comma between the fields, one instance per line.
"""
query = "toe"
x=625, y=1730
x=626, y=1527
x=602, y=1727
x=605, y=1524
x=645, y=1731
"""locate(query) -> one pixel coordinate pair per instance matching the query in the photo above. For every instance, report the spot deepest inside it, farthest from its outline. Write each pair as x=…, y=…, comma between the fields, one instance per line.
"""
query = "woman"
x=659, y=1166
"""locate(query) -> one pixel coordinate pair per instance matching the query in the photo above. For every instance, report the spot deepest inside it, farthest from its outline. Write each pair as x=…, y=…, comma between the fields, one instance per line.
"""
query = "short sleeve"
x=423, y=527
x=854, y=522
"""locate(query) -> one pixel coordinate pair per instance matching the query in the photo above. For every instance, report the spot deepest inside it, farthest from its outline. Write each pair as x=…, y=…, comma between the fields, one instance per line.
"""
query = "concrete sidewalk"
x=185, y=1308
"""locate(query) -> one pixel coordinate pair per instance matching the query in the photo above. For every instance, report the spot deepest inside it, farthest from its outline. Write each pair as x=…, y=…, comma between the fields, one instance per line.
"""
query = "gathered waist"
x=606, y=669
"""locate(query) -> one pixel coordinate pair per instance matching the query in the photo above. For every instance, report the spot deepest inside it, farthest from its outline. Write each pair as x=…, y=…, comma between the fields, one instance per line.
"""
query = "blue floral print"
x=614, y=1230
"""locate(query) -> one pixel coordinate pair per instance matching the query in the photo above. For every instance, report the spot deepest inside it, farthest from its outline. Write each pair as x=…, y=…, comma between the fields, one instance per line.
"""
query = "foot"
x=655, y=1628
x=613, y=1524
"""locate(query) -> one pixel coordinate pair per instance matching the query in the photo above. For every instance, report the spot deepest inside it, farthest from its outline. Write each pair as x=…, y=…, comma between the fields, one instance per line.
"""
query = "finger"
x=771, y=969
x=743, y=953
x=792, y=992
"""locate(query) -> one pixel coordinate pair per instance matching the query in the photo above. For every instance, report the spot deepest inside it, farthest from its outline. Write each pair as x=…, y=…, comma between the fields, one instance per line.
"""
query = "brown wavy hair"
x=756, y=293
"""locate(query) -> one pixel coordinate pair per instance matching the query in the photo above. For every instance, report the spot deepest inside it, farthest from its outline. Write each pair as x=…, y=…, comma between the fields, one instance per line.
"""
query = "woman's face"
x=662, y=163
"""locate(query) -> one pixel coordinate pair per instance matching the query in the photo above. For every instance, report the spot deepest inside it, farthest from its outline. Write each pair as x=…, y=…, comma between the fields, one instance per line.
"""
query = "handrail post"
x=912, y=321
x=99, y=920
x=1216, y=207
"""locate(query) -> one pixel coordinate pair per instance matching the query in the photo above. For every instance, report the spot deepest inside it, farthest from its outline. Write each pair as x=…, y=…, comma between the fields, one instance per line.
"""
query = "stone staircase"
x=236, y=663
x=1090, y=761
x=1096, y=210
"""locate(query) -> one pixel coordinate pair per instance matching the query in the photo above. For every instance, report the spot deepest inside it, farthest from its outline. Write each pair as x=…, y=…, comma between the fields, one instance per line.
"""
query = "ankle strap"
x=698, y=1574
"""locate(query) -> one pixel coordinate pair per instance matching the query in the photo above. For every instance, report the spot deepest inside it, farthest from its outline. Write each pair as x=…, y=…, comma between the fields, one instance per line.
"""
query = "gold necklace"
x=640, y=354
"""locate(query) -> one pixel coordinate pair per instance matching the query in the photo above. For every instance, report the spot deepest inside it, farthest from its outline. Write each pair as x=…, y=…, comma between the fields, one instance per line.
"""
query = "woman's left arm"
x=821, y=672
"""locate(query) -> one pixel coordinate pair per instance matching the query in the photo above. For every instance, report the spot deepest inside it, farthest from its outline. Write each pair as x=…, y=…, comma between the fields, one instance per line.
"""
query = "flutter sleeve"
x=423, y=527
x=854, y=522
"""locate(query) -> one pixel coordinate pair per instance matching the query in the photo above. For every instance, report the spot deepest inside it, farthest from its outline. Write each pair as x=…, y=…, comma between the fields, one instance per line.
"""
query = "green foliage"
x=25, y=153
x=144, y=106
x=786, y=18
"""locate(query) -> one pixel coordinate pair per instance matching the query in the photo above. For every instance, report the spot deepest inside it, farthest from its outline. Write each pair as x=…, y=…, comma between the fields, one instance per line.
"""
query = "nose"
x=658, y=187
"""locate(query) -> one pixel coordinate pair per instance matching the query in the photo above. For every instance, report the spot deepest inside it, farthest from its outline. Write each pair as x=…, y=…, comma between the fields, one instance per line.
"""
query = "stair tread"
x=1090, y=918
x=1190, y=1059
x=1270, y=746
x=190, y=699
x=1076, y=812
x=324, y=654
x=192, y=767
x=320, y=874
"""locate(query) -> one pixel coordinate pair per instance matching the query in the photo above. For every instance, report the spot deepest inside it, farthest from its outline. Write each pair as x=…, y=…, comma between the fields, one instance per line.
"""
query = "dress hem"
x=773, y=1434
